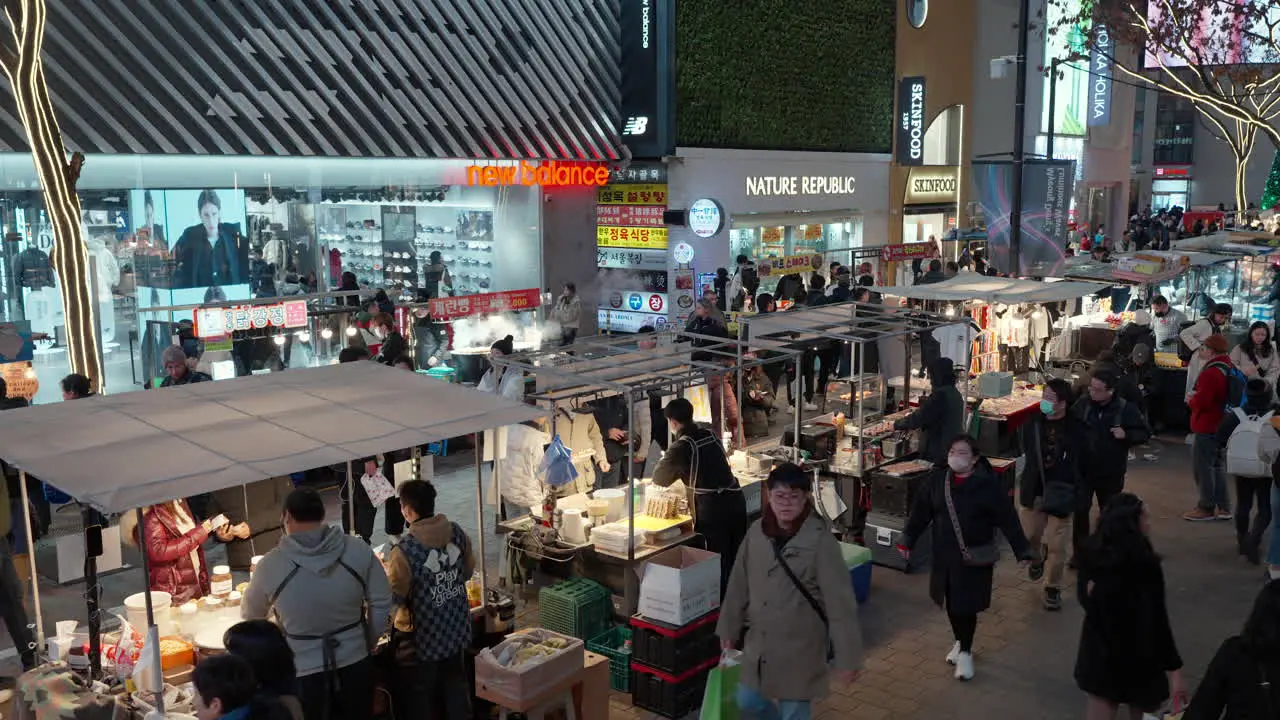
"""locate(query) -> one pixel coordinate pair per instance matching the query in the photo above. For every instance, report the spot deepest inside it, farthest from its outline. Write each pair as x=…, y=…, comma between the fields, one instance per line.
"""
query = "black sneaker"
x=1052, y=599
x=1035, y=571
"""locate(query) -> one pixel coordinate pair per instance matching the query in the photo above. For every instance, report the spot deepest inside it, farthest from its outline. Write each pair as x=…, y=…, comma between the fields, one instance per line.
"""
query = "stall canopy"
x=1011, y=291
x=135, y=449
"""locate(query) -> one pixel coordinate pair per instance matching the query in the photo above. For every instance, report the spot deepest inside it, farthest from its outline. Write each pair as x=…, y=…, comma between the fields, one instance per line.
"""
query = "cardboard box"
x=680, y=585
x=512, y=687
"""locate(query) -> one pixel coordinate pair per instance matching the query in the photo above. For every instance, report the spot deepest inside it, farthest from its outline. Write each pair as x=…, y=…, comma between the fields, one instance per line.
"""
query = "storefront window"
x=188, y=239
x=1166, y=194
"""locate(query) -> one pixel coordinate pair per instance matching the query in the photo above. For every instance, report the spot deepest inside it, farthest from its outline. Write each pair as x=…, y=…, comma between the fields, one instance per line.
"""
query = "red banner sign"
x=450, y=308
x=630, y=215
x=908, y=251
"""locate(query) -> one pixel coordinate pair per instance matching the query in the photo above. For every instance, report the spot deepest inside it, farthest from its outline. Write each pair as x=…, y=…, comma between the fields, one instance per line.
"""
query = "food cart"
x=600, y=367
x=122, y=453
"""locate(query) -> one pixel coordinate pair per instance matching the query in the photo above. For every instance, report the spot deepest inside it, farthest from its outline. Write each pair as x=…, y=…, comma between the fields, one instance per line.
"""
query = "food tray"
x=907, y=467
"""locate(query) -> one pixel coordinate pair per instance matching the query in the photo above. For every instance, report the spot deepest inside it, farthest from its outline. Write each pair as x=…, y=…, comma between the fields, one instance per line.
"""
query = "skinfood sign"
x=932, y=185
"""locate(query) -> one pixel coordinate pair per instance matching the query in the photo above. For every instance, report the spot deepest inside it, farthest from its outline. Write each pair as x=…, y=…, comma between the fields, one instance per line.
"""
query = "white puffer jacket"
x=519, y=478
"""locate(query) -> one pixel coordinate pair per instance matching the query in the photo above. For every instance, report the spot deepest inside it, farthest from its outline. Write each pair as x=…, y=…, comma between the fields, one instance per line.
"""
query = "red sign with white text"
x=630, y=215
x=908, y=251
x=450, y=308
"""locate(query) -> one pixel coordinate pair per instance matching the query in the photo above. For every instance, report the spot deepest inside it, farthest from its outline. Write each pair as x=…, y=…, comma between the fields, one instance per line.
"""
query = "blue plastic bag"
x=557, y=464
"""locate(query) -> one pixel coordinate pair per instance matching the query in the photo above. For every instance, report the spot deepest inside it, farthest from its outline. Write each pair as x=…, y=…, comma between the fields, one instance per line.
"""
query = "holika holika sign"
x=1100, y=78
x=767, y=185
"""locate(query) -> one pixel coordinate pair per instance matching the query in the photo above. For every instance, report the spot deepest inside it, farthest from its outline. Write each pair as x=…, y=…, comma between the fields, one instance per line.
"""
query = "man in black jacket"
x=941, y=414
x=1112, y=425
x=697, y=457
x=12, y=608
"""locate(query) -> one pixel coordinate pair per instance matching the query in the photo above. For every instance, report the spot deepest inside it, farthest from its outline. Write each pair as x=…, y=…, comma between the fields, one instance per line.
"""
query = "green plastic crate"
x=580, y=608
x=611, y=645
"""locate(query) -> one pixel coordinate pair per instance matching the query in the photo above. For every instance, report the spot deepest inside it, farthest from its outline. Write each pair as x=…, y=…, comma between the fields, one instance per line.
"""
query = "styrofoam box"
x=680, y=585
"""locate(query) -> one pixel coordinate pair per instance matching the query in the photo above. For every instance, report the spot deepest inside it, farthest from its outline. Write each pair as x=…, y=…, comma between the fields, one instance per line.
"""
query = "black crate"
x=670, y=696
x=674, y=650
x=892, y=494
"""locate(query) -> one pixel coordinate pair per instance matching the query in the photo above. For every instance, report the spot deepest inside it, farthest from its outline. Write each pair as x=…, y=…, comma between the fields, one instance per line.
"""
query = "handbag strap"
x=955, y=520
x=813, y=602
x=1265, y=685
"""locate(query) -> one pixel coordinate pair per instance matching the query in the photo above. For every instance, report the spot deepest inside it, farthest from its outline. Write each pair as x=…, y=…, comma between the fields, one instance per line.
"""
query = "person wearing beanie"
x=1208, y=403
x=1134, y=333
x=941, y=414
x=500, y=380
x=1215, y=323
x=1259, y=399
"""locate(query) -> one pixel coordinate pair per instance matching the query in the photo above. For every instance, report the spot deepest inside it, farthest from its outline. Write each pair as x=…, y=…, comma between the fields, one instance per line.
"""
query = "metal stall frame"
x=855, y=324
x=606, y=365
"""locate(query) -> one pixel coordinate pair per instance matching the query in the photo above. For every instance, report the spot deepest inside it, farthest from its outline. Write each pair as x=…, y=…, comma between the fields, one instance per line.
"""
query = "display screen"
x=1218, y=40
x=190, y=246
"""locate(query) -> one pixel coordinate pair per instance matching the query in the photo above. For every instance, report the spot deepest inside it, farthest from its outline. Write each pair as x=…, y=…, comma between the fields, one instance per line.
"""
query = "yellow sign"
x=632, y=195
x=649, y=238
x=771, y=235
x=933, y=185
x=789, y=264
x=812, y=232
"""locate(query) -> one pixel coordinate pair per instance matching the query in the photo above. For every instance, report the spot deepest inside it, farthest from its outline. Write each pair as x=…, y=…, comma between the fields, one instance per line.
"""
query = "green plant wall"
x=785, y=74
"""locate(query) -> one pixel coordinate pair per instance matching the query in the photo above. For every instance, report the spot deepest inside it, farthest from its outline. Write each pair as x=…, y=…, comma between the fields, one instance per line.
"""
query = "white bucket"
x=135, y=607
x=617, y=500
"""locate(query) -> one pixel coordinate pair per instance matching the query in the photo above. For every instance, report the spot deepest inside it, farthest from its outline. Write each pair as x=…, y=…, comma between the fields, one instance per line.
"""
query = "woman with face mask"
x=1047, y=489
x=963, y=504
x=507, y=383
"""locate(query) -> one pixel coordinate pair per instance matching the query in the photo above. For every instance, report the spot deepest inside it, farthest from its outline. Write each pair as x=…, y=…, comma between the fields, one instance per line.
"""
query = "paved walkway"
x=1024, y=654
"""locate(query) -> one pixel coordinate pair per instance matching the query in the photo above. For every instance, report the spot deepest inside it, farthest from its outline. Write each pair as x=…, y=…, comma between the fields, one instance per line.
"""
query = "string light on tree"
x=58, y=175
x=1271, y=193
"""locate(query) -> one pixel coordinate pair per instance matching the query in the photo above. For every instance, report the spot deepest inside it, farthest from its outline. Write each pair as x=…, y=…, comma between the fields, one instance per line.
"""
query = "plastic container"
x=617, y=500
x=670, y=696
x=616, y=645
x=135, y=608
x=675, y=650
x=860, y=575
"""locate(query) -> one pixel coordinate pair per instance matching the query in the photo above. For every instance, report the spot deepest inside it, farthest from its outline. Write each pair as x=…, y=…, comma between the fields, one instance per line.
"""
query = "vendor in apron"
x=696, y=456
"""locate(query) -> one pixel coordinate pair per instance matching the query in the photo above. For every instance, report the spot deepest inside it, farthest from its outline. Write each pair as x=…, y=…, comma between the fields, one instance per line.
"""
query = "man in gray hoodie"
x=331, y=597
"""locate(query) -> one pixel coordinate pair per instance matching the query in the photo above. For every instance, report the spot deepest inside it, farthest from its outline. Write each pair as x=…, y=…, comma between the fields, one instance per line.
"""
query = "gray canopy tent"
x=125, y=452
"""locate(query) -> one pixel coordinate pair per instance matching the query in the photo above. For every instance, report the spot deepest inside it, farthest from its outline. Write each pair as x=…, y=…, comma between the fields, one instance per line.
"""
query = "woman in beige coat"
x=580, y=432
x=800, y=625
x=1256, y=355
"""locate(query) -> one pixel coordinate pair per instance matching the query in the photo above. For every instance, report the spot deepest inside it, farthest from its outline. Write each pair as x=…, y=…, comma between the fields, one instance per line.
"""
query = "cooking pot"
x=472, y=363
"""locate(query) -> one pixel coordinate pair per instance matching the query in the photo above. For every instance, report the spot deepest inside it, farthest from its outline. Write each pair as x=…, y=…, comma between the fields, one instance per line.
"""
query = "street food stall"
x=122, y=453
x=607, y=533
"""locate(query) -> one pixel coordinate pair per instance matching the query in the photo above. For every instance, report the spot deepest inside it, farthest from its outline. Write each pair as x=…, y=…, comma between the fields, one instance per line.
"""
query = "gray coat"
x=785, y=653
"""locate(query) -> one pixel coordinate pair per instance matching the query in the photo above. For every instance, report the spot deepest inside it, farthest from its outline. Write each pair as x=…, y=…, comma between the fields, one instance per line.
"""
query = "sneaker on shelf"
x=1052, y=599
x=955, y=653
x=964, y=666
x=1222, y=514
x=1199, y=515
x=1035, y=571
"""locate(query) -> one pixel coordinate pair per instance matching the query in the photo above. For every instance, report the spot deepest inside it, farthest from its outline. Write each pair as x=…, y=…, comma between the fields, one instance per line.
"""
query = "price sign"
x=771, y=235
x=448, y=308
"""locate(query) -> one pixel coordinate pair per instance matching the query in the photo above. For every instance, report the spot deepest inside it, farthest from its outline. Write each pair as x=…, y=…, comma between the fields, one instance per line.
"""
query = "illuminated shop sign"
x=800, y=185
x=643, y=238
x=932, y=185
x=1100, y=80
x=215, y=322
x=911, y=128
x=647, y=89
x=548, y=174
x=706, y=217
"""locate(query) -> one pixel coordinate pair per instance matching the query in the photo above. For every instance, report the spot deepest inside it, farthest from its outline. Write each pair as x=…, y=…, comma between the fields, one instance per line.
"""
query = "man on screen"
x=211, y=253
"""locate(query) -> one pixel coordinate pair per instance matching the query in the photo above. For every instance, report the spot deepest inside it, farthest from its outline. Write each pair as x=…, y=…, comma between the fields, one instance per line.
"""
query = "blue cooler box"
x=858, y=559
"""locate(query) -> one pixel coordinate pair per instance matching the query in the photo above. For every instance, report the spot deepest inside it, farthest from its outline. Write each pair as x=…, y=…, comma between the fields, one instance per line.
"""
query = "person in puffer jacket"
x=520, y=478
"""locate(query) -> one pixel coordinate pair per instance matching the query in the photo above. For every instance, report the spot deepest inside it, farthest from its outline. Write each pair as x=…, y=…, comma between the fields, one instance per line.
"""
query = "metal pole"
x=738, y=433
x=795, y=440
x=93, y=596
x=480, y=518
x=152, y=632
x=1053, y=103
x=31, y=558
x=1019, y=131
x=351, y=501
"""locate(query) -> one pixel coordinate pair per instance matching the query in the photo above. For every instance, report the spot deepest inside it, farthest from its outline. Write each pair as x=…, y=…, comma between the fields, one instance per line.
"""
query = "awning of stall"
x=1231, y=242
x=135, y=449
x=1011, y=291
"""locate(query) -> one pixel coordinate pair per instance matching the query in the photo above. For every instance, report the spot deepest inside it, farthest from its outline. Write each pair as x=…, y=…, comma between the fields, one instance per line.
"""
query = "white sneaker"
x=811, y=407
x=955, y=653
x=964, y=666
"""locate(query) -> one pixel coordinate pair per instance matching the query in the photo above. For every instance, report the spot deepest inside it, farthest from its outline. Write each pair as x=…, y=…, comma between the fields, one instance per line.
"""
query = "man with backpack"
x=1250, y=440
x=1219, y=386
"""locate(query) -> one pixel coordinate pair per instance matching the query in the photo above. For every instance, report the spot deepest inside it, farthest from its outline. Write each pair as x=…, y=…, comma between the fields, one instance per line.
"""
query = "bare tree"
x=1241, y=138
x=1222, y=55
x=58, y=175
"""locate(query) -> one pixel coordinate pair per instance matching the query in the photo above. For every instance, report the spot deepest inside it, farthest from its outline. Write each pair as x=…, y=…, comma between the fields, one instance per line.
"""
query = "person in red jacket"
x=1208, y=403
x=173, y=541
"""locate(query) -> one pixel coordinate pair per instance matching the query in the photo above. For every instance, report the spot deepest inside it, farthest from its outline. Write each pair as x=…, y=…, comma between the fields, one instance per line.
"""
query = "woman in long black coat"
x=982, y=506
x=1127, y=655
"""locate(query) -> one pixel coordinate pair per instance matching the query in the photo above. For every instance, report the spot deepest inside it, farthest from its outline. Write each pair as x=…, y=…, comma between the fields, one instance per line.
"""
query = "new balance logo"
x=636, y=125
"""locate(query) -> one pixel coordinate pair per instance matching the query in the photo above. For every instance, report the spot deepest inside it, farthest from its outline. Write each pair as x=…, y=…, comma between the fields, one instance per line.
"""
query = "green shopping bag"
x=720, y=699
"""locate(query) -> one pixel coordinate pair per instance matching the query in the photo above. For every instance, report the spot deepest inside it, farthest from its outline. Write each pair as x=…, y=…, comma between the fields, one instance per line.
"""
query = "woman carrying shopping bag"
x=789, y=569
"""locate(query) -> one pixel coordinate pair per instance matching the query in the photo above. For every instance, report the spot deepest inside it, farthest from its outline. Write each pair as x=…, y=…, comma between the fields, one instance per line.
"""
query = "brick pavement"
x=1024, y=655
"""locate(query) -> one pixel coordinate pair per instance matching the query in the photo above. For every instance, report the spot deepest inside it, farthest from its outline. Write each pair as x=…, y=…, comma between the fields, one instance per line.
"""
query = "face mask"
x=1161, y=314
x=958, y=464
x=1047, y=407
